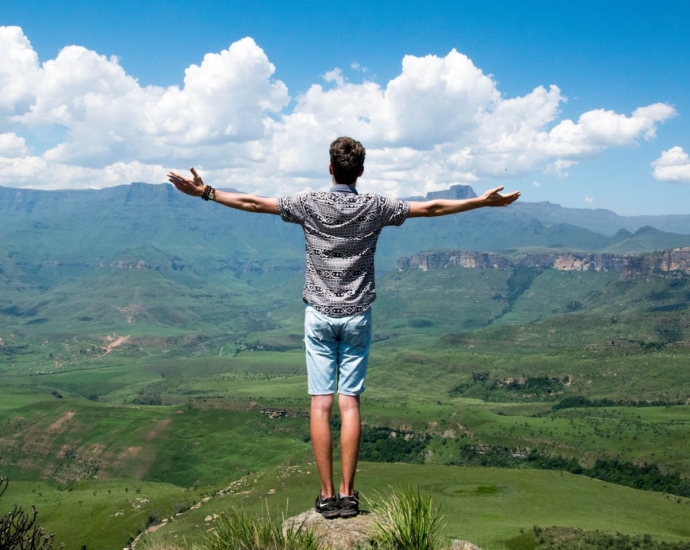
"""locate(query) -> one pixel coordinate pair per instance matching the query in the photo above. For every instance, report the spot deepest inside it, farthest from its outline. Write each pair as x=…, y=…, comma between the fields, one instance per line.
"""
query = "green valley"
x=152, y=369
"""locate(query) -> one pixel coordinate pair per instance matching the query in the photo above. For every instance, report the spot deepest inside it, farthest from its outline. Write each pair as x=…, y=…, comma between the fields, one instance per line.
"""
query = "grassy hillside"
x=486, y=505
x=99, y=514
x=153, y=352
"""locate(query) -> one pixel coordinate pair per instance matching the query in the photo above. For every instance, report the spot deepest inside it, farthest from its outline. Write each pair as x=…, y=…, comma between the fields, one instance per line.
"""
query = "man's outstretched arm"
x=444, y=207
x=250, y=203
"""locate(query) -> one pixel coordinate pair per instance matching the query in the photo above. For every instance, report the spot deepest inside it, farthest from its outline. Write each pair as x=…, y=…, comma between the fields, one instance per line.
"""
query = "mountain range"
x=86, y=229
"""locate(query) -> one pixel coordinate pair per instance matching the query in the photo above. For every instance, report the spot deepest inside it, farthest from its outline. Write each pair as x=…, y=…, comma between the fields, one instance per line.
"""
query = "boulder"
x=463, y=545
x=336, y=534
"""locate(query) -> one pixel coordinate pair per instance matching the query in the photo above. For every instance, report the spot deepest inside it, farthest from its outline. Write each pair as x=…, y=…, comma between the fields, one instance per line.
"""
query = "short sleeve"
x=291, y=209
x=394, y=211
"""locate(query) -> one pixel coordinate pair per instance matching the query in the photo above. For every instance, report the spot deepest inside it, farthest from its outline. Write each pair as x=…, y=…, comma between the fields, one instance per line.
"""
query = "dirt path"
x=113, y=342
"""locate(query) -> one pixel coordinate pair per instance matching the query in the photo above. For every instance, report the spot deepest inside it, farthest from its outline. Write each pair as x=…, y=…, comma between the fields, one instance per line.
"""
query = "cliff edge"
x=630, y=266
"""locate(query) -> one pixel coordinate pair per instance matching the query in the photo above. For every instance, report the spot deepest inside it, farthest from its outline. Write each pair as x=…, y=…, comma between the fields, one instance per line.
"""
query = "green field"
x=486, y=505
x=129, y=386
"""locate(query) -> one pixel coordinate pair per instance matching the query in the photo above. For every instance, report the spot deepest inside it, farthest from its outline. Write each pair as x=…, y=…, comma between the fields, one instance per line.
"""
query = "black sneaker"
x=349, y=506
x=328, y=507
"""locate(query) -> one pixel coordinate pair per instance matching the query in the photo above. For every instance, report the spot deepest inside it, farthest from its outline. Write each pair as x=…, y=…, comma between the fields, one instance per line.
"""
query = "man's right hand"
x=194, y=187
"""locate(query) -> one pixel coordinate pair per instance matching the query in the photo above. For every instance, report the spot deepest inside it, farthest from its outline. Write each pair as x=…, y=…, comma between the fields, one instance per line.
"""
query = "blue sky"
x=315, y=70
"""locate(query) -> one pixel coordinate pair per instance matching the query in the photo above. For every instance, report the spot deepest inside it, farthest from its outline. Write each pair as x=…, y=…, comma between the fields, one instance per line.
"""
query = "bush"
x=377, y=445
x=565, y=538
x=18, y=529
x=407, y=521
x=240, y=532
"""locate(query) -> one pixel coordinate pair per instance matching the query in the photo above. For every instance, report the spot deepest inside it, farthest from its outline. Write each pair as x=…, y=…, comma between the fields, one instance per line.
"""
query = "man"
x=341, y=229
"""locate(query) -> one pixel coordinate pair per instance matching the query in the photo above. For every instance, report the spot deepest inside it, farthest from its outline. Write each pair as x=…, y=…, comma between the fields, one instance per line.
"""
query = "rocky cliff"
x=629, y=266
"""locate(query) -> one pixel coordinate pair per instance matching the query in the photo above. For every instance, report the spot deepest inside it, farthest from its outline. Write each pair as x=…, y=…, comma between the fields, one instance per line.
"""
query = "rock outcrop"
x=629, y=266
x=336, y=534
x=463, y=545
x=348, y=534
x=427, y=261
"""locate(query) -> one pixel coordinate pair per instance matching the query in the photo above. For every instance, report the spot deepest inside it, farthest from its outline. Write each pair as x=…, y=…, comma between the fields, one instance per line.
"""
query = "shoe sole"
x=348, y=513
x=332, y=514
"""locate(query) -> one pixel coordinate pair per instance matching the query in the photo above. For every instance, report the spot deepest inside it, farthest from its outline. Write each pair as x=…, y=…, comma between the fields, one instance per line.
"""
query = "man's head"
x=347, y=160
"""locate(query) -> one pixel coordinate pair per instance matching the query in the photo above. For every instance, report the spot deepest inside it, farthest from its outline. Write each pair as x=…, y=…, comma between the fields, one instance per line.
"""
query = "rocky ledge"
x=630, y=266
x=336, y=534
x=348, y=534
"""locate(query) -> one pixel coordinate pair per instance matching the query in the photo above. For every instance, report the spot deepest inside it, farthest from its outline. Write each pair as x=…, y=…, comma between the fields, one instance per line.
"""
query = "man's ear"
x=330, y=169
x=361, y=172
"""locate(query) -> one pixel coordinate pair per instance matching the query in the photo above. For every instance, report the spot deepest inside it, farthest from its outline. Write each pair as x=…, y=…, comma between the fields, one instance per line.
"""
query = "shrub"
x=407, y=521
x=18, y=529
x=240, y=532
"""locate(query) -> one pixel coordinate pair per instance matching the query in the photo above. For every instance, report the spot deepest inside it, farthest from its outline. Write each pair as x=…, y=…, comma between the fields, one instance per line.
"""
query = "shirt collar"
x=343, y=188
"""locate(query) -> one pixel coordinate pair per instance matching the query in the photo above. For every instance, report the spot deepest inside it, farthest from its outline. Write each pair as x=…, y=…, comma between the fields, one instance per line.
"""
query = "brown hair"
x=347, y=159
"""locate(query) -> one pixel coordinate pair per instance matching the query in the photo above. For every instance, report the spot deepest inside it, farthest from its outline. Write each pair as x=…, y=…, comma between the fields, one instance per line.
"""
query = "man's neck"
x=343, y=188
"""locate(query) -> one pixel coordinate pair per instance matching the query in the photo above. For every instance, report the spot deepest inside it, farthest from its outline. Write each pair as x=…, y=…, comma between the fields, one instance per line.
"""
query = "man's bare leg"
x=322, y=442
x=349, y=440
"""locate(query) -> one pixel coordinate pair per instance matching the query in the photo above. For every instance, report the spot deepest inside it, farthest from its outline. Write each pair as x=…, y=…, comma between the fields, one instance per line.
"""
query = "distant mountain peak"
x=646, y=229
x=459, y=191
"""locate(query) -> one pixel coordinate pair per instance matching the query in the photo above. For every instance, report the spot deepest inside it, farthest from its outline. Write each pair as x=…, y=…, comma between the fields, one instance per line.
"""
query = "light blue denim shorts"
x=337, y=352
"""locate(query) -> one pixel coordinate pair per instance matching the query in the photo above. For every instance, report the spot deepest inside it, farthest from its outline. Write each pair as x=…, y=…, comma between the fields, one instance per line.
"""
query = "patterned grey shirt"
x=341, y=228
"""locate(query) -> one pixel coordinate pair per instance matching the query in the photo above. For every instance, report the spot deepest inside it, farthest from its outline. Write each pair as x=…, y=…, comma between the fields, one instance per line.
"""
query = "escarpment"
x=630, y=266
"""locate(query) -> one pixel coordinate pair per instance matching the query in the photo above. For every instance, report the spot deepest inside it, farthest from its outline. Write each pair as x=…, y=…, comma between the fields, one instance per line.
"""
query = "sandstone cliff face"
x=440, y=260
x=629, y=266
x=677, y=259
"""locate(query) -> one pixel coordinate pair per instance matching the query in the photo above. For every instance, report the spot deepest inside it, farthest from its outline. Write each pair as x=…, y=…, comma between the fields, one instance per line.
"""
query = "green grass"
x=67, y=440
x=407, y=520
x=212, y=352
x=477, y=504
x=98, y=514
x=18, y=396
x=240, y=531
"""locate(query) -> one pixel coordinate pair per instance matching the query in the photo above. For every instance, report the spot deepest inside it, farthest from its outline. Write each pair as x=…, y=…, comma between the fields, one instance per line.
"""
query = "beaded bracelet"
x=207, y=192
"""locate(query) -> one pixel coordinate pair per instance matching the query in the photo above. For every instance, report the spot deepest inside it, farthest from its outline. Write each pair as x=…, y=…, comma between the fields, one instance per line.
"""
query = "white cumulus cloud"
x=109, y=117
x=11, y=145
x=672, y=165
x=19, y=71
x=441, y=121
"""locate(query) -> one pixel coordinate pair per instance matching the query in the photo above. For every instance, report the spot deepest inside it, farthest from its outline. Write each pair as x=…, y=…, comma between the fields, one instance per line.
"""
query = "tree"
x=18, y=529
